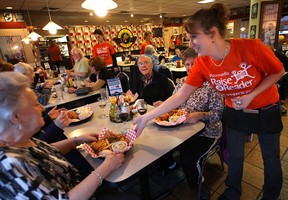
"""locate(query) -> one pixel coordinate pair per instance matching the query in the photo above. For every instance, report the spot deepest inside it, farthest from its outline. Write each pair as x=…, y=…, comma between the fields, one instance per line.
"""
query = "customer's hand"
x=54, y=112
x=193, y=117
x=113, y=161
x=48, y=84
x=71, y=90
x=62, y=121
x=87, y=138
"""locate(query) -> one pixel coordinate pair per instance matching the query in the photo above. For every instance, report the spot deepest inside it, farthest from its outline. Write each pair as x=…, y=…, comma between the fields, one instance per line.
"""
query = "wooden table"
x=146, y=151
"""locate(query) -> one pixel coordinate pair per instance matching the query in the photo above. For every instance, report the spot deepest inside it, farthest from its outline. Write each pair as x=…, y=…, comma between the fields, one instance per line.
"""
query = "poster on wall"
x=253, y=32
x=11, y=49
x=19, y=17
x=254, y=11
x=8, y=17
x=269, y=22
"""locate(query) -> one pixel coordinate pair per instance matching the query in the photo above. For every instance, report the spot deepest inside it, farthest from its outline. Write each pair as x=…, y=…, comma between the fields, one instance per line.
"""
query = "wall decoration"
x=175, y=30
x=125, y=38
x=11, y=48
x=8, y=17
x=19, y=17
x=253, y=32
x=254, y=11
x=269, y=22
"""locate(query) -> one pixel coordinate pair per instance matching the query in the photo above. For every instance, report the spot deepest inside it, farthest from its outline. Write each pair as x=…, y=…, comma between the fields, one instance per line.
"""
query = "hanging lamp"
x=33, y=35
x=100, y=7
x=52, y=27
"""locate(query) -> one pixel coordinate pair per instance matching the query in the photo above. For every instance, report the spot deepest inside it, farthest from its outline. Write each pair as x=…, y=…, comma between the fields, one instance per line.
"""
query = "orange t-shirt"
x=247, y=64
x=54, y=53
x=143, y=46
x=105, y=50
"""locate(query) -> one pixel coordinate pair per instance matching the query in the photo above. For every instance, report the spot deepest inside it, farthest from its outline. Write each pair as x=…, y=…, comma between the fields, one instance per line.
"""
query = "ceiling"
x=145, y=11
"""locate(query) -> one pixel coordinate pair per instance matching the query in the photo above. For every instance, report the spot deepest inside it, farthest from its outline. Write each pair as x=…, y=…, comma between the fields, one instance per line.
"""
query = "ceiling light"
x=206, y=1
x=242, y=29
x=132, y=15
x=26, y=40
x=100, y=7
x=9, y=7
x=33, y=36
x=52, y=27
x=160, y=16
x=91, y=14
x=86, y=21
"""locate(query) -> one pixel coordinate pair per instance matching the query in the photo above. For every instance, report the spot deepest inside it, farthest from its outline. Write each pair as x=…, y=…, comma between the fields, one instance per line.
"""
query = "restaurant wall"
x=22, y=33
x=83, y=37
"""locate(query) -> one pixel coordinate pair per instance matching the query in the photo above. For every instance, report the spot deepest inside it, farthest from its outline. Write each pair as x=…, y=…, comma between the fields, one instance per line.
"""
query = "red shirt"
x=105, y=50
x=54, y=53
x=143, y=46
x=247, y=64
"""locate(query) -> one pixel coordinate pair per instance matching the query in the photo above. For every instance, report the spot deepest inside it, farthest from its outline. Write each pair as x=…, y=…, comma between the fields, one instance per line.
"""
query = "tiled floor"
x=252, y=181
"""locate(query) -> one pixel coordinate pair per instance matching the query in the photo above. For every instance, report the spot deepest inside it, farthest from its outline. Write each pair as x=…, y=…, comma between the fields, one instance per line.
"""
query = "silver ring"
x=238, y=102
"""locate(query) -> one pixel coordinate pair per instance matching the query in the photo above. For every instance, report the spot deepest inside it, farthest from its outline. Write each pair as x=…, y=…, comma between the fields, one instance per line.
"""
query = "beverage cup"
x=59, y=92
x=62, y=69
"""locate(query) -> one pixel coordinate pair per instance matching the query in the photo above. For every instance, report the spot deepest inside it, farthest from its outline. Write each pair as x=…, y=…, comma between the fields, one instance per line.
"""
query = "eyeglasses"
x=142, y=63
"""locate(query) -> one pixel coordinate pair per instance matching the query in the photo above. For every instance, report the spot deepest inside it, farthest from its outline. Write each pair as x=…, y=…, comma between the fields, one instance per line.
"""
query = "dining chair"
x=165, y=71
x=124, y=79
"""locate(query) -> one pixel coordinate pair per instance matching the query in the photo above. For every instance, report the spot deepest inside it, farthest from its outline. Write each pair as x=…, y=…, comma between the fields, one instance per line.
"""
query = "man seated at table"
x=149, y=84
x=42, y=91
x=99, y=74
x=81, y=66
x=177, y=56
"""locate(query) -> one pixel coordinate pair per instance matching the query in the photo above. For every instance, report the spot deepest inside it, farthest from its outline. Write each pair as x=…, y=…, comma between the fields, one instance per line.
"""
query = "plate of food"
x=171, y=119
x=108, y=141
x=80, y=115
x=129, y=97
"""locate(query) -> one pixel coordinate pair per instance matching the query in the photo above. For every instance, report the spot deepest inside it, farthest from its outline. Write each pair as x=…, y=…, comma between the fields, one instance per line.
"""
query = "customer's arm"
x=86, y=188
x=97, y=85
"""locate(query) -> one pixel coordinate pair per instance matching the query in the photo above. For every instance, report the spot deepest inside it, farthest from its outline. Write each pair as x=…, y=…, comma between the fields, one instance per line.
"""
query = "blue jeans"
x=270, y=149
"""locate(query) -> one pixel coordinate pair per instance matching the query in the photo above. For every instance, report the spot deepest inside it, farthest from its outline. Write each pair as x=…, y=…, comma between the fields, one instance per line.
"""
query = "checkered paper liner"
x=130, y=137
x=180, y=120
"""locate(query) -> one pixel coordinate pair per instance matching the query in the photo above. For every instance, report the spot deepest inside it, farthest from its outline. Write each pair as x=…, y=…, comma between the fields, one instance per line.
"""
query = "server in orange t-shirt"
x=105, y=50
x=55, y=54
x=147, y=41
x=245, y=72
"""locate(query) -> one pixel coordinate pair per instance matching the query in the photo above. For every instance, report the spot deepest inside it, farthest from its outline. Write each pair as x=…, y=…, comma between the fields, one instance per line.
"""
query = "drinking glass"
x=142, y=107
x=124, y=114
x=102, y=104
x=62, y=70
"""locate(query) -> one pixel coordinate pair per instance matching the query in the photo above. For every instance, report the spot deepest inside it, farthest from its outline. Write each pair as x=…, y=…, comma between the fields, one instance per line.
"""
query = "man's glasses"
x=142, y=63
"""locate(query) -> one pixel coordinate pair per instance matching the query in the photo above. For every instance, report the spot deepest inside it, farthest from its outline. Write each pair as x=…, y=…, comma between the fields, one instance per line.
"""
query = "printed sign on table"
x=114, y=86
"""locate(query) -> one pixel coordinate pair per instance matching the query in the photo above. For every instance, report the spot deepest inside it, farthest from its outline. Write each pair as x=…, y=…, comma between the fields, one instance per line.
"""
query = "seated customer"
x=34, y=169
x=149, y=84
x=204, y=105
x=177, y=56
x=99, y=74
x=5, y=66
x=149, y=51
x=42, y=91
x=81, y=66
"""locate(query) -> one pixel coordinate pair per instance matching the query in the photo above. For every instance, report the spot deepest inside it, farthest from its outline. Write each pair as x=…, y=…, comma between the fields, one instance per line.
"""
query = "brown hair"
x=216, y=15
x=98, y=63
x=146, y=34
x=188, y=53
x=5, y=66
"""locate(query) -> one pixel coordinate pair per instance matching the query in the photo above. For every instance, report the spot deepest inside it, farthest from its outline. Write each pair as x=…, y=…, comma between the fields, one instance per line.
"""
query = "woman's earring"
x=19, y=126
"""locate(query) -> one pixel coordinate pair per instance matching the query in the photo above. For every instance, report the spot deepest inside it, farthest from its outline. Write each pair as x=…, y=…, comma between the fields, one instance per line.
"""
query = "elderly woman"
x=42, y=91
x=149, y=51
x=43, y=171
x=81, y=66
x=149, y=84
x=99, y=74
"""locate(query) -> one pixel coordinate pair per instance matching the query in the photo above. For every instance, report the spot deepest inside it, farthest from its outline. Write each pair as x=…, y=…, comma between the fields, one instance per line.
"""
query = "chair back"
x=165, y=71
x=124, y=79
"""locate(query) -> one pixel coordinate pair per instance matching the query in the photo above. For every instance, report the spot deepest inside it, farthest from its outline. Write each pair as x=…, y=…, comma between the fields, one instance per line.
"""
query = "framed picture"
x=8, y=17
x=253, y=32
x=11, y=48
x=175, y=30
x=19, y=17
x=269, y=22
x=254, y=11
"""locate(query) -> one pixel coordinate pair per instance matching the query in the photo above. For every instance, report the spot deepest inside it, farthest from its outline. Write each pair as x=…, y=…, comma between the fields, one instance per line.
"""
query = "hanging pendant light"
x=100, y=7
x=52, y=27
x=32, y=36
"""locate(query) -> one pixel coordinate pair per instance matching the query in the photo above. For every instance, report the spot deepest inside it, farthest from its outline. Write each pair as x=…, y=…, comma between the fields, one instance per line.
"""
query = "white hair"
x=149, y=49
x=24, y=68
x=12, y=86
